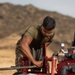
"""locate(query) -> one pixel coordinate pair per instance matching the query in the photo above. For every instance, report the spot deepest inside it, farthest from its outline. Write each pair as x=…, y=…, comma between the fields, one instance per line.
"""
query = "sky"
x=65, y=7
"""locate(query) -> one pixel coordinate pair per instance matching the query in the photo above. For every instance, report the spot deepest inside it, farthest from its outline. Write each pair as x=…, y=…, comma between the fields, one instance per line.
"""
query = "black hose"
x=73, y=69
x=67, y=69
x=70, y=55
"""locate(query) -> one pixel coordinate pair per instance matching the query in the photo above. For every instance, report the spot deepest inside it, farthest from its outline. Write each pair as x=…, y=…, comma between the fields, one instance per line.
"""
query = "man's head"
x=48, y=26
x=49, y=23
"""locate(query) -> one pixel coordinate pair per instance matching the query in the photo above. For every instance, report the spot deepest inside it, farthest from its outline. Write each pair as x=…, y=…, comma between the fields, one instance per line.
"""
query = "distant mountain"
x=15, y=18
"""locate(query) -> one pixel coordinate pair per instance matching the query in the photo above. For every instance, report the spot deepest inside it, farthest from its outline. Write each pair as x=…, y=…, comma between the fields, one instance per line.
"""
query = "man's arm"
x=26, y=50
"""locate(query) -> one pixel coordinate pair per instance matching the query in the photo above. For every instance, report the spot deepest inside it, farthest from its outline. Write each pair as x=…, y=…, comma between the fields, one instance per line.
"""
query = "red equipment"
x=45, y=68
x=67, y=66
x=64, y=67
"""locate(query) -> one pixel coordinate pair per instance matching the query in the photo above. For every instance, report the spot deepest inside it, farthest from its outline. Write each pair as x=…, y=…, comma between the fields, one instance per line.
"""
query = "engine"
x=66, y=61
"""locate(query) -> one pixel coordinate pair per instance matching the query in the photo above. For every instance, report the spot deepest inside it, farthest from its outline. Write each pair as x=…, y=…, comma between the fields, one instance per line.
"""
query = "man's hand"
x=38, y=63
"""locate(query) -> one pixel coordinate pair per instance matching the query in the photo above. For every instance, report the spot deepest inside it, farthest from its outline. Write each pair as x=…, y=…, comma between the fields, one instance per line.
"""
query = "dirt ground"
x=7, y=53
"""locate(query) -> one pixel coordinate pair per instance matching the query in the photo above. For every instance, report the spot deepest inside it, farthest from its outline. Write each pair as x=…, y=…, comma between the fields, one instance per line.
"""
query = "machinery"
x=65, y=65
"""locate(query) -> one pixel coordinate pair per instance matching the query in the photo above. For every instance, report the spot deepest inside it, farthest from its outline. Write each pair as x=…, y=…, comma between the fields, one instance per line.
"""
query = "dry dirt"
x=7, y=53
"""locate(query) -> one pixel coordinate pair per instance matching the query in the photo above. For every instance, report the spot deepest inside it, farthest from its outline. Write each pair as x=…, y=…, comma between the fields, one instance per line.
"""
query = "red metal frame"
x=66, y=62
x=46, y=66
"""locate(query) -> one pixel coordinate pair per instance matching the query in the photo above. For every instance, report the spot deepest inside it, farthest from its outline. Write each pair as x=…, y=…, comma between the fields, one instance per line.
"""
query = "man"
x=34, y=38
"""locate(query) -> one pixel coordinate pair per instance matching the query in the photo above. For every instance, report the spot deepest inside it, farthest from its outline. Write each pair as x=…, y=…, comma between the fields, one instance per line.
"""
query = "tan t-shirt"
x=38, y=39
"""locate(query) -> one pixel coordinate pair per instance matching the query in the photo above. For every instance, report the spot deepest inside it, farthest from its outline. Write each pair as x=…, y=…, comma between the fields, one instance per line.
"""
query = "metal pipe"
x=53, y=65
x=15, y=67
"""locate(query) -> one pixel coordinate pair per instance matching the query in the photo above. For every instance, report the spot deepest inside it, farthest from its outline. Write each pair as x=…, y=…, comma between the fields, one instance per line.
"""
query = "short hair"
x=49, y=23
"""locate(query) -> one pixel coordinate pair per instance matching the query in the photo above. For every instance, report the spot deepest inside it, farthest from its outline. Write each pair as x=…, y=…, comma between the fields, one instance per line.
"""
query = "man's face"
x=46, y=32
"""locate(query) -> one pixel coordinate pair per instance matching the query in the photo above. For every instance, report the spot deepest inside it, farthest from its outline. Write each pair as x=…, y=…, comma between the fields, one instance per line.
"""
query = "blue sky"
x=66, y=7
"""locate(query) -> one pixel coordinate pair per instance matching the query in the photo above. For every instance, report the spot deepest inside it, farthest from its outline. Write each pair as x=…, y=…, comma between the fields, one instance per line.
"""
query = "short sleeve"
x=31, y=32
